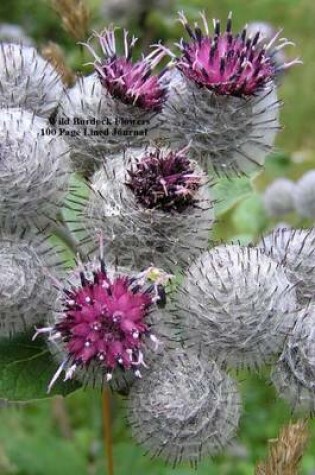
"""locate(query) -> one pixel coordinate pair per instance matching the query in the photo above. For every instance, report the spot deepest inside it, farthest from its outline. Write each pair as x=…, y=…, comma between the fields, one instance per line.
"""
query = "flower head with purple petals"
x=165, y=181
x=103, y=322
x=228, y=64
x=131, y=82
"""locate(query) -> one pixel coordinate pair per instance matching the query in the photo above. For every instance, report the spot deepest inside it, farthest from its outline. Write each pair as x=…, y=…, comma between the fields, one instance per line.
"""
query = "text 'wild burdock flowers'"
x=27, y=80
x=154, y=207
x=229, y=108
x=103, y=324
x=294, y=373
x=35, y=169
x=237, y=303
x=184, y=408
x=25, y=291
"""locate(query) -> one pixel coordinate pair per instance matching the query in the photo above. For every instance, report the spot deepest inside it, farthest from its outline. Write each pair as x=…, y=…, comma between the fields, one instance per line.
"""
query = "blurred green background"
x=59, y=436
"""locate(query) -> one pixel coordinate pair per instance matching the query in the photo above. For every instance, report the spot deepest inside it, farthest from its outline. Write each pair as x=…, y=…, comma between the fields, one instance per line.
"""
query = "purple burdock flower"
x=154, y=207
x=131, y=82
x=103, y=323
x=226, y=105
x=225, y=63
x=165, y=182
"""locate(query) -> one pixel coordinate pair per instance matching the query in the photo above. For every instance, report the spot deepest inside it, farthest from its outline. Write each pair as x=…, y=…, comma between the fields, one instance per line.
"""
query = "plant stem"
x=61, y=416
x=107, y=434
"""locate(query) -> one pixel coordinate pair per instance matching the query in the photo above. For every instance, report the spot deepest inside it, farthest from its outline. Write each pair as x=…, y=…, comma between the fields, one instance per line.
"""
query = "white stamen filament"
x=56, y=376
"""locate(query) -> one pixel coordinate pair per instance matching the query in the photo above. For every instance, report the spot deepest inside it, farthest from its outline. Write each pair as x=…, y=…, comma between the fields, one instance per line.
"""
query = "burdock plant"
x=293, y=375
x=144, y=135
x=185, y=408
x=294, y=249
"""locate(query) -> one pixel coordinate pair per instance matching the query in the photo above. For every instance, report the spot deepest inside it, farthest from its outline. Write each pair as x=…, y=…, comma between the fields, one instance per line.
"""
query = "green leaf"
x=26, y=369
x=229, y=191
x=250, y=217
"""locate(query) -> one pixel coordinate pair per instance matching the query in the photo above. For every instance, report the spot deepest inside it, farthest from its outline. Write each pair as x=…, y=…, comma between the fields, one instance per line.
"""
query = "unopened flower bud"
x=184, y=408
x=238, y=303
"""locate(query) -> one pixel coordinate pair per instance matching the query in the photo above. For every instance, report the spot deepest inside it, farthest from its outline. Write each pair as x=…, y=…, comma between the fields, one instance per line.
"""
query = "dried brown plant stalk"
x=285, y=452
x=75, y=17
x=54, y=54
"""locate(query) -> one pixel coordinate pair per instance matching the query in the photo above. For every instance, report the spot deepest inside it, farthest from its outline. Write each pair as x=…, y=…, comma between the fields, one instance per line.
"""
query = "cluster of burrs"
x=145, y=137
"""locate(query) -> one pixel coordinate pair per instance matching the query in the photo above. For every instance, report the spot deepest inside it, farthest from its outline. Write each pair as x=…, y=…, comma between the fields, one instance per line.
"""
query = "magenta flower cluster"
x=164, y=181
x=131, y=82
x=225, y=63
x=104, y=321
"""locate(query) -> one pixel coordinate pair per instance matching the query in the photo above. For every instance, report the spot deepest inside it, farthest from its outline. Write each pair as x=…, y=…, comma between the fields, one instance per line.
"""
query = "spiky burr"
x=27, y=80
x=229, y=110
x=238, y=303
x=26, y=294
x=295, y=250
x=34, y=171
x=153, y=207
x=294, y=373
x=184, y=408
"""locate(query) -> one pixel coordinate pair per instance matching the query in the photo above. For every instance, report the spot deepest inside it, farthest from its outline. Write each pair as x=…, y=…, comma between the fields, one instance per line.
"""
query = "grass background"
x=55, y=437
